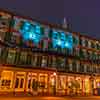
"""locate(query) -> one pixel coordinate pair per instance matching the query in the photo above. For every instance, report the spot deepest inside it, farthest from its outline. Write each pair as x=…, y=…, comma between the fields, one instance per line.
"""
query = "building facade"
x=45, y=59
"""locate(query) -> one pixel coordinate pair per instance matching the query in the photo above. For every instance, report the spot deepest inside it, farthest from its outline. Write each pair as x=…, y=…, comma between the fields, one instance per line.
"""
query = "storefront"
x=40, y=82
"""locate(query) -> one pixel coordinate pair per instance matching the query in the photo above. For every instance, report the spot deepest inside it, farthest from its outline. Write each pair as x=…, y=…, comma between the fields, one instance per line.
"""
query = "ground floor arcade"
x=46, y=82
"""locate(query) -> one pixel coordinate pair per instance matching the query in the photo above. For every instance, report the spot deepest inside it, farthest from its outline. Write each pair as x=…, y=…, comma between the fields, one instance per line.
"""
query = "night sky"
x=84, y=15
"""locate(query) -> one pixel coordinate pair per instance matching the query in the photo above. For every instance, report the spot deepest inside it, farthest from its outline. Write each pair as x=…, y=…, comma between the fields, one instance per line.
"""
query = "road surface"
x=51, y=98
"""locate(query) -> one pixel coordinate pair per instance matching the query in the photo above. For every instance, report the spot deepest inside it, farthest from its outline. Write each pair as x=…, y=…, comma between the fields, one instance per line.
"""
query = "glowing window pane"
x=60, y=39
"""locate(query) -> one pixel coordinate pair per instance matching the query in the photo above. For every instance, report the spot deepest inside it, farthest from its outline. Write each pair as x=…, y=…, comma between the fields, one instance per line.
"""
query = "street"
x=51, y=98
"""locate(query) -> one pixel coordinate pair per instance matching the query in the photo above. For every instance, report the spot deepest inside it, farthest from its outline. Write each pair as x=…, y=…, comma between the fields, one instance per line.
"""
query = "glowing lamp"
x=66, y=44
x=59, y=42
x=54, y=74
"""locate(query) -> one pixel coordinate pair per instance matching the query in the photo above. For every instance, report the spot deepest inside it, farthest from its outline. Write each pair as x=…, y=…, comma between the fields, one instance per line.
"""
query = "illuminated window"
x=6, y=83
x=31, y=32
x=17, y=83
x=75, y=40
x=6, y=80
x=34, y=60
x=23, y=58
x=60, y=39
x=11, y=56
x=44, y=61
x=43, y=81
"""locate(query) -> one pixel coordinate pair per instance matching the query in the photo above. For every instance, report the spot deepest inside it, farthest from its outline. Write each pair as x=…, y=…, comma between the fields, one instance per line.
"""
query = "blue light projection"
x=31, y=32
x=62, y=40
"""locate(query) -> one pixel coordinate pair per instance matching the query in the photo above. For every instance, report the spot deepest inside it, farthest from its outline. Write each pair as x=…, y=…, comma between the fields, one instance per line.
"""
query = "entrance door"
x=20, y=81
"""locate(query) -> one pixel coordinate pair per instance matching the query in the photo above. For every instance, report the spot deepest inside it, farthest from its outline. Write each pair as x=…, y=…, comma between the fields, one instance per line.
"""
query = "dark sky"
x=83, y=14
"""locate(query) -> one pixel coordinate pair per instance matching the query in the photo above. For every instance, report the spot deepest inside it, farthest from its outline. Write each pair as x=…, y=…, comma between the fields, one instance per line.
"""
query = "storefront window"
x=21, y=83
x=2, y=36
x=43, y=81
x=6, y=80
x=87, y=86
x=62, y=82
x=17, y=83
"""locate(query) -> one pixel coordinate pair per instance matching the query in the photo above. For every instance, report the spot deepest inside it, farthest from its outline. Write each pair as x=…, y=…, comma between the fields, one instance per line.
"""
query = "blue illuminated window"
x=31, y=32
x=60, y=39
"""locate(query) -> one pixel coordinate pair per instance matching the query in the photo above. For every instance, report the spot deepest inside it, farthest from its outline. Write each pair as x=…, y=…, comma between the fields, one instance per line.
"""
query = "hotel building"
x=44, y=59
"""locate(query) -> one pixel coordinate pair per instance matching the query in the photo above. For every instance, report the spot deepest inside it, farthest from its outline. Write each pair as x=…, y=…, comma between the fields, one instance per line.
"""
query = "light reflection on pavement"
x=50, y=98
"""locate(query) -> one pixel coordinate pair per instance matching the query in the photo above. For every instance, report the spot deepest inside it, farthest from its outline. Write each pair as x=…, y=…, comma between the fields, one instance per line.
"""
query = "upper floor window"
x=89, y=43
x=61, y=63
x=44, y=61
x=34, y=60
x=23, y=57
x=2, y=36
x=11, y=56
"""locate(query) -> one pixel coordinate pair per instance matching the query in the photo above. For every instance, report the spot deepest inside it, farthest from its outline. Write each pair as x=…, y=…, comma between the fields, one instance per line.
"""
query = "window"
x=70, y=65
x=44, y=61
x=43, y=81
x=11, y=56
x=34, y=60
x=4, y=23
x=77, y=66
x=82, y=41
x=74, y=66
x=54, y=64
x=17, y=83
x=6, y=83
x=81, y=67
x=21, y=83
x=29, y=57
x=23, y=58
x=39, y=60
x=2, y=36
x=15, y=38
x=89, y=43
x=60, y=63
x=75, y=40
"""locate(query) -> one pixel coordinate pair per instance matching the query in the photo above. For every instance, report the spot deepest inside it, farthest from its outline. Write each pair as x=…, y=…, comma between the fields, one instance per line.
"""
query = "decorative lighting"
x=54, y=74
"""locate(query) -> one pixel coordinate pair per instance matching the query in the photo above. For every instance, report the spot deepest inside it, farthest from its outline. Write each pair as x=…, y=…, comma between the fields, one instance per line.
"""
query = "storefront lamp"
x=54, y=74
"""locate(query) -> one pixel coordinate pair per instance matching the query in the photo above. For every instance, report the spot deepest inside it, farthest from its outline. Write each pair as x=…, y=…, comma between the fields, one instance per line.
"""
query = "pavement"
x=51, y=98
